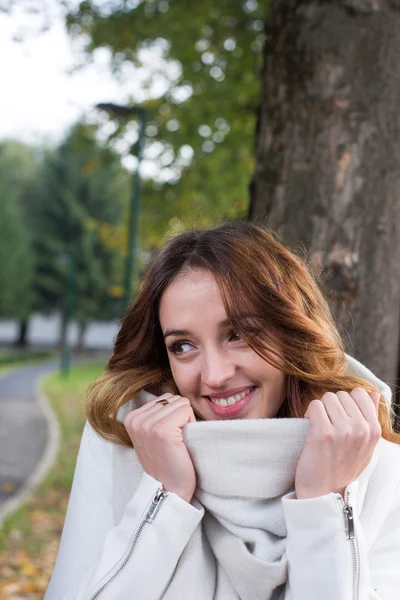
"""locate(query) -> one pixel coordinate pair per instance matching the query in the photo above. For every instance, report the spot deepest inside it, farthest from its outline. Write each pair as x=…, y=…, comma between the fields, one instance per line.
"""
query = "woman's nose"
x=218, y=368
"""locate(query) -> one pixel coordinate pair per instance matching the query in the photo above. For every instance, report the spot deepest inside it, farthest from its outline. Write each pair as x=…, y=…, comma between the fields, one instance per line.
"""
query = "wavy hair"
x=269, y=293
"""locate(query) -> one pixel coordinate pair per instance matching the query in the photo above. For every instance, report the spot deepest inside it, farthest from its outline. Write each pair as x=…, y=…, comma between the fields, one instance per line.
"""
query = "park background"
x=127, y=121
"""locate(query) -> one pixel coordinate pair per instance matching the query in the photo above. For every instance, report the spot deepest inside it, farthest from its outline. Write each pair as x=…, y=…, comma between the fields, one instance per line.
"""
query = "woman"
x=230, y=493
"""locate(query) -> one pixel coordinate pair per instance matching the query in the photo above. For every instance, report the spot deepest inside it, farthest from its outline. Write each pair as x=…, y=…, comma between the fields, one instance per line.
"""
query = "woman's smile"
x=232, y=406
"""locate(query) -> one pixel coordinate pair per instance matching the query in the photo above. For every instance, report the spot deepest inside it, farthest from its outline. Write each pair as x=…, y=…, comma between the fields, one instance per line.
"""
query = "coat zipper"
x=149, y=518
x=351, y=536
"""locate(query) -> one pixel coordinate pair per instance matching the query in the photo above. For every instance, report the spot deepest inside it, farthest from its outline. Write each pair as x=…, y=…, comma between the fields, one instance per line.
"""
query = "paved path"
x=23, y=428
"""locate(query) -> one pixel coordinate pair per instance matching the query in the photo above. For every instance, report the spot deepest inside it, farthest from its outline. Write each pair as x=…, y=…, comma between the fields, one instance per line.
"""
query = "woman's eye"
x=234, y=337
x=180, y=347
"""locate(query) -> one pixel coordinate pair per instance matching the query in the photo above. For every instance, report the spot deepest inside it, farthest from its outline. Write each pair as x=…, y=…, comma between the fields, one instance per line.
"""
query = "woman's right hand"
x=156, y=433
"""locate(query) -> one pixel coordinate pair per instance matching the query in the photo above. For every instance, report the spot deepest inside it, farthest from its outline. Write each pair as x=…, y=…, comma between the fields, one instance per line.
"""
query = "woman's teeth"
x=231, y=399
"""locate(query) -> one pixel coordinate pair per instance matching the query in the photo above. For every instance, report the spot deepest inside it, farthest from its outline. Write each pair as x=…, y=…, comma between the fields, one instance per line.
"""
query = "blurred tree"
x=82, y=192
x=33, y=17
x=197, y=70
x=16, y=266
x=328, y=158
x=30, y=6
x=18, y=169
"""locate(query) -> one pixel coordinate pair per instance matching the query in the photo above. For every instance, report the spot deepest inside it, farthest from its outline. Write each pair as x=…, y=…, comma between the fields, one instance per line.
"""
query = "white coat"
x=126, y=539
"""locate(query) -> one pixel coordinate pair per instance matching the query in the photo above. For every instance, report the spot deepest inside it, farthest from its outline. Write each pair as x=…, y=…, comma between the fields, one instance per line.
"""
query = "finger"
x=160, y=412
x=365, y=404
x=192, y=418
x=177, y=414
x=149, y=407
x=319, y=420
x=307, y=413
x=349, y=405
x=334, y=408
x=165, y=424
x=376, y=399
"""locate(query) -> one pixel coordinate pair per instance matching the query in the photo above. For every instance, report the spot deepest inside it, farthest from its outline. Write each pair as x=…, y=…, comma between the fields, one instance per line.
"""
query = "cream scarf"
x=243, y=468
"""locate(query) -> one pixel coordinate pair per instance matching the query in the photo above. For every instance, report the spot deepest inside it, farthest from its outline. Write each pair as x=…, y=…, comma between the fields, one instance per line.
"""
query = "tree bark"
x=327, y=172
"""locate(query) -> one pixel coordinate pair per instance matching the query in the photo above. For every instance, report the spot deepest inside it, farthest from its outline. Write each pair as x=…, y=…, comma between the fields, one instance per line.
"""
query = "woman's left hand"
x=344, y=430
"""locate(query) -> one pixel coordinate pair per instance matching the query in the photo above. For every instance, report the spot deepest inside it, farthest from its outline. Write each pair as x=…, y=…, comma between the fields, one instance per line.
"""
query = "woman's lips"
x=230, y=412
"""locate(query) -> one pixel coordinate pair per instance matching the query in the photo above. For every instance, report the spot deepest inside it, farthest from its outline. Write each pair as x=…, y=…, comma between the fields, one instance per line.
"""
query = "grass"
x=9, y=361
x=6, y=369
x=29, y=537
x=15, y=355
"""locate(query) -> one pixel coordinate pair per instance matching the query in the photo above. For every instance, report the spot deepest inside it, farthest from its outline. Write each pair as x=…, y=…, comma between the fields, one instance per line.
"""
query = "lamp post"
x=125, y=112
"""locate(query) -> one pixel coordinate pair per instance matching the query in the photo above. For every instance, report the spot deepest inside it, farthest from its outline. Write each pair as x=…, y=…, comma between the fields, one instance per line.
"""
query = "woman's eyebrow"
x=179, y=332
x=224, y=323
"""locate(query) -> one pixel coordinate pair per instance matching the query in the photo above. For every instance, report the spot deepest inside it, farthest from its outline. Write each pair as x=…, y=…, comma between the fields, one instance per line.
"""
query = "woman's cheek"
x=183, y=376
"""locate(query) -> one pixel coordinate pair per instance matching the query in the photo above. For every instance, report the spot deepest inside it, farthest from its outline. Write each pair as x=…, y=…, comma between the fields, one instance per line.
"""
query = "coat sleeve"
x=95, y=554
x=324, y=563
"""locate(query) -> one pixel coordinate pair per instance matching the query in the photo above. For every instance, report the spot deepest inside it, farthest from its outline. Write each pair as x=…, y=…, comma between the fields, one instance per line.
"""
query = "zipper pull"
x=155, y=505
x=348, y=512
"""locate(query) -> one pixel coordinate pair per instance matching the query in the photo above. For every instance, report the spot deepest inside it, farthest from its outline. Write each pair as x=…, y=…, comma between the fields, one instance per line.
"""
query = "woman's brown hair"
x=269, y=294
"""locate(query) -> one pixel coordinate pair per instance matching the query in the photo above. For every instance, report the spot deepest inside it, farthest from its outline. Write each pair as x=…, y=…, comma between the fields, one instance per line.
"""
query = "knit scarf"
x=243, y=468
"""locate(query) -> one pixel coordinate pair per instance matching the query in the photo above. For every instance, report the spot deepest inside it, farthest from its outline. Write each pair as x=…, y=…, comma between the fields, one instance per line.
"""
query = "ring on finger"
x=163, y=401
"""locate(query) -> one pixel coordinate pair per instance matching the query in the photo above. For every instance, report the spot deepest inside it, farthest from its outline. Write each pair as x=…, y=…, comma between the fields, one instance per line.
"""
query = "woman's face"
x=211, y=365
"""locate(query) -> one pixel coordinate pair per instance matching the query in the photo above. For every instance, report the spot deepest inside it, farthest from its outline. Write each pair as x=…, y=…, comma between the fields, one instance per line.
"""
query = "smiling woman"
x=232, y=449
x=210, y=363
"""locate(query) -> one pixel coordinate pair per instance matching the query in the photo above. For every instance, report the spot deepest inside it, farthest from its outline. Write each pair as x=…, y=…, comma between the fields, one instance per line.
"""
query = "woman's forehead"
x=193, y=295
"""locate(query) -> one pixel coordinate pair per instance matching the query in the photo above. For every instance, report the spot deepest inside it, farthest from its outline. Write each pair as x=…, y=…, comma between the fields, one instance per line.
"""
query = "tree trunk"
x=80, y=344
x=327, y=170
x=22, y=338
